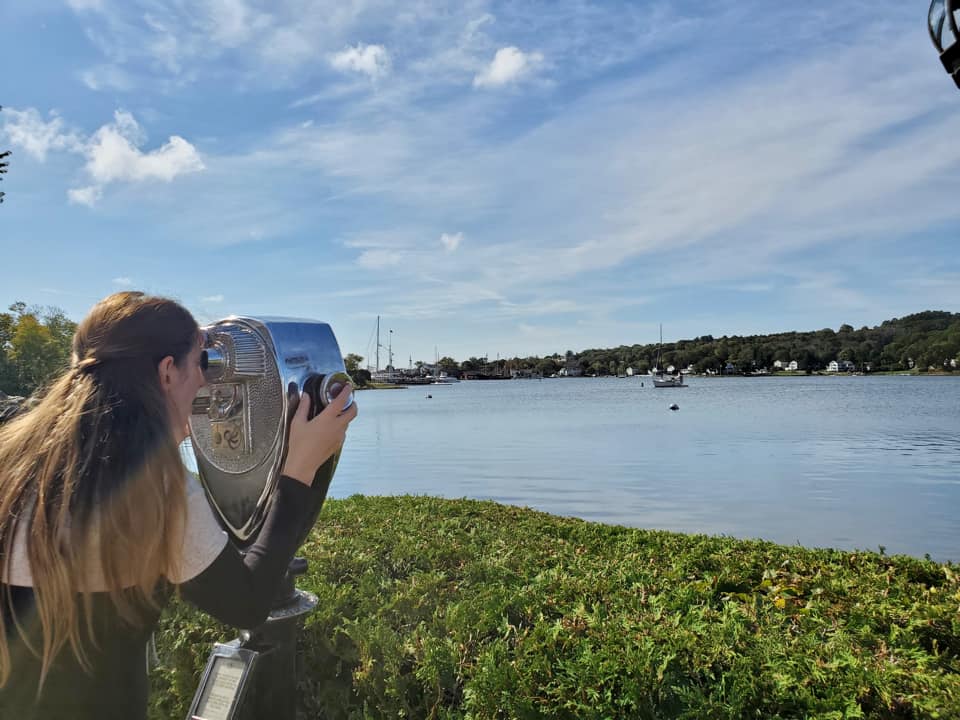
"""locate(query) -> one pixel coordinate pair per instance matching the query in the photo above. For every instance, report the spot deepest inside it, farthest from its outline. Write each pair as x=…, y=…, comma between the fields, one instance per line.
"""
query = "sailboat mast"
x=378, y=343
x=660, y=350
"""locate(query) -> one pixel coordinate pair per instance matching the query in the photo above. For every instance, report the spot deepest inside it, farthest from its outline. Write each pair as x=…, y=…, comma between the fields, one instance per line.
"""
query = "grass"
x=434, y=608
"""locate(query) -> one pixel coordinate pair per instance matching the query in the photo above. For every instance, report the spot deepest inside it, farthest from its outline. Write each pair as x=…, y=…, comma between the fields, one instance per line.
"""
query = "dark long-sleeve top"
x=236, y=588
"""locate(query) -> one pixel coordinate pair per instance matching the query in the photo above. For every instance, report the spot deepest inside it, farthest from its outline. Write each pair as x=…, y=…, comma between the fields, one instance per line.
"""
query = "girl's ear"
x=165, y=372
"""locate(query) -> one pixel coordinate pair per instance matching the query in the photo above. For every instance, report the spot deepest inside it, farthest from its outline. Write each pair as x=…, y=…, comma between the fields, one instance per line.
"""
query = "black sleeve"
x=238, y=588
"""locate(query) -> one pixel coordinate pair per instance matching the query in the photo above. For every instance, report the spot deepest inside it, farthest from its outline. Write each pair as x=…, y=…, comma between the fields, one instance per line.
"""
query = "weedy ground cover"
x=435, y=608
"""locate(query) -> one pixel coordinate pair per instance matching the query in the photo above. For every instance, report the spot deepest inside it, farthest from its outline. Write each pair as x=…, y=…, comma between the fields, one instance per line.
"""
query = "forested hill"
x=924, y=340
x=35, y=346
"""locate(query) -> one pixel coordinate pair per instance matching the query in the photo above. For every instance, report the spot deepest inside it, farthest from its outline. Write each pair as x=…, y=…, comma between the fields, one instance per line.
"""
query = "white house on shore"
x=571, y=368
x=840, y=366
x=791, y=366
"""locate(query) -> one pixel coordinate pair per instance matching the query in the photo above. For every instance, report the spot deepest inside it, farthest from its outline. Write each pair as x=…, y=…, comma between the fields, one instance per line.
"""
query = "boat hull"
x=668, y=382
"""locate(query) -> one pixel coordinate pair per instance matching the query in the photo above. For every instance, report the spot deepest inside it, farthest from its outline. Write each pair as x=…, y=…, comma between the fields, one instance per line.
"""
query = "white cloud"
x=165, y=46
x=451, y=242
x=123, y=281
x=106, y=77
x=287, y=47
x=378, y=259
x=212, y=299
x=371, y=60
x=85, y=196
x=28, y=130
x=113, y=154
x=473, y=27
x=82, y=5
x=509, y=65
x=231, y=22
x=442, y=43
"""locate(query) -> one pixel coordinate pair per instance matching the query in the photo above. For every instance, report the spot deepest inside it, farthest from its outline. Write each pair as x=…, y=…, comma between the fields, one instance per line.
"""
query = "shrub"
x=435, y=608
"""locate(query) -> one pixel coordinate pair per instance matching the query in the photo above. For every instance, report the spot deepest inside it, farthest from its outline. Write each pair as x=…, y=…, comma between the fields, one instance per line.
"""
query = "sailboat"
x=660, y=378
x=442, y=378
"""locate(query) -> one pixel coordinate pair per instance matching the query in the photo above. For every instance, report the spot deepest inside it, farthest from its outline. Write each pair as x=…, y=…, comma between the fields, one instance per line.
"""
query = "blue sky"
x=490, y=178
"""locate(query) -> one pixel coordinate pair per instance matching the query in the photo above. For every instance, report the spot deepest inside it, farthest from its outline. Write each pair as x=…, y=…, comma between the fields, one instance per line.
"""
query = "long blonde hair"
x=94, y=470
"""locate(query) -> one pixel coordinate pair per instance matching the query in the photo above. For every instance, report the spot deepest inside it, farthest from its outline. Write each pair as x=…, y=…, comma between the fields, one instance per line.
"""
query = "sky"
x=491, y=179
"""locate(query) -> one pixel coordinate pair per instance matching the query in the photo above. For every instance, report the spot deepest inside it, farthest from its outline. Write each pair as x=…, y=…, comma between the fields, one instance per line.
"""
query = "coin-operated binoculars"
x=239, y=428
x=942, y=21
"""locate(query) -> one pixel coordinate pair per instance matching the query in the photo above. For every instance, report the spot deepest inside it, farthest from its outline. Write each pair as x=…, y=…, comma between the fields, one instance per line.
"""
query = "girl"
x=99, y=523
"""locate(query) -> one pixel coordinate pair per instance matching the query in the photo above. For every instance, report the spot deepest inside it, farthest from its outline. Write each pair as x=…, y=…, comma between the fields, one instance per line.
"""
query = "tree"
x=34, y=347
x=547, y=367
x=707, y=363
x=449, y=365
x=4, y=164
x=352, y=363
x=7, y=371
x=3, y=169
x=30, y=350
x=745, y=358
x=61, y=329
x=360, y=375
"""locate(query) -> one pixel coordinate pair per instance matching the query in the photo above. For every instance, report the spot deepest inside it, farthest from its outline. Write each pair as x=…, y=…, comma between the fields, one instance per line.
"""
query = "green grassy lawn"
x=434, y=608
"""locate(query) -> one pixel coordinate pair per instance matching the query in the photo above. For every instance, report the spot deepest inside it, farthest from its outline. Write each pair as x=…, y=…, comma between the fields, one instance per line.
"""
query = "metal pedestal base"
x=254, y=677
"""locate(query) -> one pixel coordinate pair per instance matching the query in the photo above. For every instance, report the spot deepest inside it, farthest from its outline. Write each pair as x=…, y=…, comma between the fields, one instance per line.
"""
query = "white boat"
x=441, y=378
x=660, y=378
x=388, y=375
x=669, y=381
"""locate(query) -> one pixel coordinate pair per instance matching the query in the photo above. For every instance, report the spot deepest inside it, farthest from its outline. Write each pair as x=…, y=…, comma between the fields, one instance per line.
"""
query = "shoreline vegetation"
x=35, y=347
x=882, y=373
x=923, y=342
x=433, y=608
x=784, y=373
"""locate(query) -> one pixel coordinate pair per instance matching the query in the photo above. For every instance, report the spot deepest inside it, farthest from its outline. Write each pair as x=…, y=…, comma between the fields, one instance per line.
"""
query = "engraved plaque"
x=224, y=681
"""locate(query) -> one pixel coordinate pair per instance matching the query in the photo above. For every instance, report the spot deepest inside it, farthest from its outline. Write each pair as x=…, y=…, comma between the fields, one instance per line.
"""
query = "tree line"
x=35, y=347
x=926, y=341
x=923, y=341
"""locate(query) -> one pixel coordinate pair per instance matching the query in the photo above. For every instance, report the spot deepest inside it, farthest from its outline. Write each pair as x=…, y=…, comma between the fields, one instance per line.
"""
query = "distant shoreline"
x=881, y=373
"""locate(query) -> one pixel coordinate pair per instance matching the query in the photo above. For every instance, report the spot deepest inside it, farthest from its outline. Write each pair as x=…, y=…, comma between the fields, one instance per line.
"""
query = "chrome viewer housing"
x=256, y=369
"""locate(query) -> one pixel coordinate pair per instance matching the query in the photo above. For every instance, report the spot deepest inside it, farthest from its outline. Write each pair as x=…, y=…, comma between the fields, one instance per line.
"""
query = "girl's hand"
x=313, y=442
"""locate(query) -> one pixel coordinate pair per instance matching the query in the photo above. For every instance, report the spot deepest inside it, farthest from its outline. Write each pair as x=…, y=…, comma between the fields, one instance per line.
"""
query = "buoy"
x=429, y=396
x=674, y=407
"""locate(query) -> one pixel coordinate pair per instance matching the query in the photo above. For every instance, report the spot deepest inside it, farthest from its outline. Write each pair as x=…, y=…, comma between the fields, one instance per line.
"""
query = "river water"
x=847, y=462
